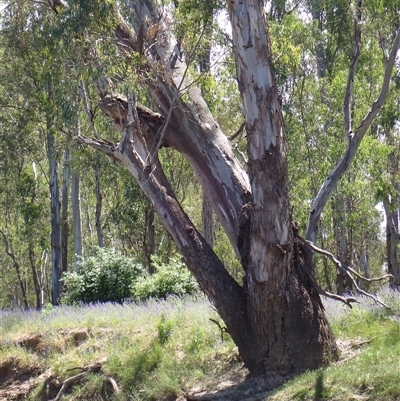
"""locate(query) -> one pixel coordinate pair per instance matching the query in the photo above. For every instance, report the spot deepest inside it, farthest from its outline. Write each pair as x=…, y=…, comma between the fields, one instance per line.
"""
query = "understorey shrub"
x=172, y=278
x=102, y=275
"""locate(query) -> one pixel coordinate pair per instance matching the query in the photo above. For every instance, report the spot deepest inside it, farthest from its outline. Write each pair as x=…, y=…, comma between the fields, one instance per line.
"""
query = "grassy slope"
x=172, y=348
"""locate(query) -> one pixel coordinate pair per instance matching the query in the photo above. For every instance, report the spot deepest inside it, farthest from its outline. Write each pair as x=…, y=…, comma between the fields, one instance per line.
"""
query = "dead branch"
x=342, y=268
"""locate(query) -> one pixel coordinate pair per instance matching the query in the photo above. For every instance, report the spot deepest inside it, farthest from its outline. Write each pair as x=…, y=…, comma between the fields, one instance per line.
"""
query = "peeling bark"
x=282, y=311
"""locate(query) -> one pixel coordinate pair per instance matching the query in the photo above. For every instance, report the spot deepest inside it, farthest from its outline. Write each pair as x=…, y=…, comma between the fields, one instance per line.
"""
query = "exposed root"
x=93, y=368
x=114, y=385
x=67, y=383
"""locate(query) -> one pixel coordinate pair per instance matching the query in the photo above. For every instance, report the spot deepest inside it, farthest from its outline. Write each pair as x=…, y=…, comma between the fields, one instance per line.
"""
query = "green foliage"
x=101, y=276
x=169, y=279
x=165, y=328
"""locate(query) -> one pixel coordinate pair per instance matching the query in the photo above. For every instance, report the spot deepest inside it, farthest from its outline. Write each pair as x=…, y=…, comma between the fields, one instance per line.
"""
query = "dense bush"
x=169, y=279
x=101, y=276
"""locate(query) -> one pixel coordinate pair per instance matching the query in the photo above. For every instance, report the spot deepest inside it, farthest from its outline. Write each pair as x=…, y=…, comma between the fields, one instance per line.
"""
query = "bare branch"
x=349, y=272
x=106, y=147
x=346, y=300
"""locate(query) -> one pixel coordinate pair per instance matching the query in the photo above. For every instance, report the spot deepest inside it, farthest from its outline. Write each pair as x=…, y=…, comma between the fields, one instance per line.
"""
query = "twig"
x=238, y=132
x=221, y=328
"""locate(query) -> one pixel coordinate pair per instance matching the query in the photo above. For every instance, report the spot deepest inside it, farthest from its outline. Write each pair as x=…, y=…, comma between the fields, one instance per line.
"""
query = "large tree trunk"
x=281, y=311
x=276, y=318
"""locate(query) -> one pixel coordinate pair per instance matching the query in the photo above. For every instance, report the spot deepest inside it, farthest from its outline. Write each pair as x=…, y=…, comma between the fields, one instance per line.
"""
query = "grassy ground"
x=170, y=349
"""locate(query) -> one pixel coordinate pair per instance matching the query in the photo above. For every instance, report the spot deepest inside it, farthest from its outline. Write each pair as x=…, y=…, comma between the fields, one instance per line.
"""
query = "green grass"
x=168, y=348
x=369, y=368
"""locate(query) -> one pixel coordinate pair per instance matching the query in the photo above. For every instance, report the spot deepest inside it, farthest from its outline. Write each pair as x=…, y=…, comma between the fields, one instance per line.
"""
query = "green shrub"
x=169, y=279
x=101, y=276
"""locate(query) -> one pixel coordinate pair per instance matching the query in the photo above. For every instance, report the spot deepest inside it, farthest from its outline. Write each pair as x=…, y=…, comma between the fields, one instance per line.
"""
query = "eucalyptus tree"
x=275, y=316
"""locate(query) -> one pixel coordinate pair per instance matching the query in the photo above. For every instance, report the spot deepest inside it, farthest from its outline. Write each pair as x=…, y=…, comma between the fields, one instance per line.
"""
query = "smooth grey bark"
x=76, y=216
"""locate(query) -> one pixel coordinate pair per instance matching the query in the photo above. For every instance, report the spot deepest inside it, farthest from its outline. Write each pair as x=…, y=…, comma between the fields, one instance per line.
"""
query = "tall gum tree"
x=275, y=316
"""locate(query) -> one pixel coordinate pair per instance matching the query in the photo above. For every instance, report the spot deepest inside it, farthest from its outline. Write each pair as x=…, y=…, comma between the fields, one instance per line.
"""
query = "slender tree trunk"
x=55, y=218
x=99, y=196
x=343, y=247
x=17, y=267
x=392, y=245
x=76, y=216
x=35, y=278
x=149, y=240
x=99, y=206
x=207, y=219
x=64, y=213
